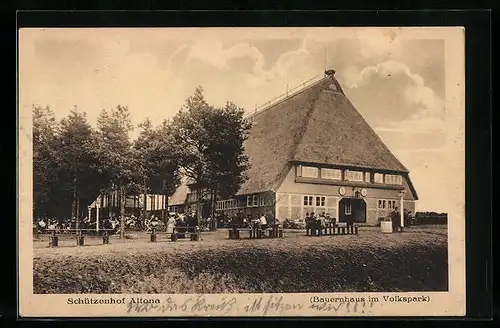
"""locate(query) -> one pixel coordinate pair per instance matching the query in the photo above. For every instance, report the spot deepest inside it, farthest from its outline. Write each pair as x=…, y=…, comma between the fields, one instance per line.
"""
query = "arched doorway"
x=352, y=209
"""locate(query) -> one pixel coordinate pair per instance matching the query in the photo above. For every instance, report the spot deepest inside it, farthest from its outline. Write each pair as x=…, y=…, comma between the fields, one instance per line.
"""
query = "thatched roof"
x=180, y=195
x=316, y=125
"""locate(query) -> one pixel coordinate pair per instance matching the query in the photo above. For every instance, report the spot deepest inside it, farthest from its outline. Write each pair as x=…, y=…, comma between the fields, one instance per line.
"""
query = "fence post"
x=80, y=239
x=53, y=242
x=153, y=235
x=105, y=238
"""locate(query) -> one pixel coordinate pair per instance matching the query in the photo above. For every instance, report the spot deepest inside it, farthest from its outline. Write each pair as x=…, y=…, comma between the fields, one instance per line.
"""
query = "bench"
x=331, y=229
x=80, y=237
x=178, y=233
x=257, y=233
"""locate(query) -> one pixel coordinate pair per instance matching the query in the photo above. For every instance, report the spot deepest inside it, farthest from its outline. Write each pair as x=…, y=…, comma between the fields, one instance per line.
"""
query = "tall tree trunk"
x=122, y=211
x=163, y=208
x=198, y=207
x=74, y=207
x=78, y=214
x=110, y=201
x=145, y=199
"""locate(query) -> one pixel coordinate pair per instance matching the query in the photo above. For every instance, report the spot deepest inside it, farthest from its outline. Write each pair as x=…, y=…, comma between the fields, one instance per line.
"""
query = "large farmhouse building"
x=313, y=152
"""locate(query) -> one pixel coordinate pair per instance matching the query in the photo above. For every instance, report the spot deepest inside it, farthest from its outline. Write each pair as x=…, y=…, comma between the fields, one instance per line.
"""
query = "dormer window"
x=307, y=171
x=378, y=178
x=331, y=174
x=393, y=179
x=354, y=176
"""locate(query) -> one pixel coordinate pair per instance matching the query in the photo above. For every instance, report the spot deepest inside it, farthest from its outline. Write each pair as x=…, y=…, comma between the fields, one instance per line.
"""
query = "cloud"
x=379, y=42
x=212, y=52
x=415, y=92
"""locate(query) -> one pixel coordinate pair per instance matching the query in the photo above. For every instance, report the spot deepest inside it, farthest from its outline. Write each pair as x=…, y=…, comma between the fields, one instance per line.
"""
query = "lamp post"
x=401, y=212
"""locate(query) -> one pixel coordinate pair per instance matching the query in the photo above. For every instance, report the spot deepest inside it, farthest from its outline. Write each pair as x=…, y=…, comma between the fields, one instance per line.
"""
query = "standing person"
x=322, y=223
x=170, y=224
x=255, y=222
x=395, y=218
x=263, y=221
x=307, y=220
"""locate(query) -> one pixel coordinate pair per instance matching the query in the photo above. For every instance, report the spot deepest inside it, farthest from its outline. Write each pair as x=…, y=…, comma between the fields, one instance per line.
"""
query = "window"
x=378, y=178
x=262, y=201
x=310, y=172
x=333, y=174
x=393, y=179
x=320, y=201
x=389, y=204
x=354, y=175
x=308, y=200
x=249, y=201
x=255, y=201
x=381, y=204
x=367, y=176
x=348, y=209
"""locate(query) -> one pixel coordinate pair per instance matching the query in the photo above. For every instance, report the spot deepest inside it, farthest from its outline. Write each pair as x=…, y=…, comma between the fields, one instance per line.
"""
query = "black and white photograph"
x=242, y=171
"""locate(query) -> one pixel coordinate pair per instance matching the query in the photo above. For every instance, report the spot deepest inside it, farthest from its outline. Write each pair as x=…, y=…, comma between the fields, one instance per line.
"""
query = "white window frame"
x=348, y=209
x=382, y=205
x=305, y=169
x=349, y=175
x=298, y=170
x=322, y=201
x=377, y=175
x=308, y=200
x=367, y=177
x=255, y=201
x=337, y=174
x=394, y=179
x=249, y=201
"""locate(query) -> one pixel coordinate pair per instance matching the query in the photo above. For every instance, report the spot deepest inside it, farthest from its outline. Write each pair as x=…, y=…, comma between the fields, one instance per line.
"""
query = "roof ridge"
x=310, y=86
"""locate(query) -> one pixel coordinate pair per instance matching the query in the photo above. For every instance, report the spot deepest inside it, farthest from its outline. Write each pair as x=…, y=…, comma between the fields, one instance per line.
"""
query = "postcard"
x=241, y=172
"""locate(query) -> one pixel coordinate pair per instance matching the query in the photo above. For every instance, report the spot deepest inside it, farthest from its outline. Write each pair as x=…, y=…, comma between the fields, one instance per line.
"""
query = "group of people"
x=312, y=220
x=395, y=217
x=262, y=222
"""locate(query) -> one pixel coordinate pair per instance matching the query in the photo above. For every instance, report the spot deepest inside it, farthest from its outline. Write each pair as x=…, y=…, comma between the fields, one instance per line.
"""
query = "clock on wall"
x=342, y=191
x=364, y=192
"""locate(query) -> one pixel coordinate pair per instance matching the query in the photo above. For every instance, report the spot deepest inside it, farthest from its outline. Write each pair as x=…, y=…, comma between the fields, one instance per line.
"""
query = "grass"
x=415, y=260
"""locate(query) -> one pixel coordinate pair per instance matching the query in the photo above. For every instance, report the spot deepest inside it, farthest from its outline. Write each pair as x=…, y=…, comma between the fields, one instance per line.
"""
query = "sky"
x=394, y=78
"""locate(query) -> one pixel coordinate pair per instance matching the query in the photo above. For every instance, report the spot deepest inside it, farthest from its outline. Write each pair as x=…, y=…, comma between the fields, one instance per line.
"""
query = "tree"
x=44, y=160
x=211, y=146
x=76, y=175
x=156, y=153
x=227, y=130
x=189, y=133
x=115, y=160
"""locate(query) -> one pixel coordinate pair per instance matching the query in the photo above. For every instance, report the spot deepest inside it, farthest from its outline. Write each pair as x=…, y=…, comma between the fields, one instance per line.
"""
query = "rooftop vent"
x=330, y=72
